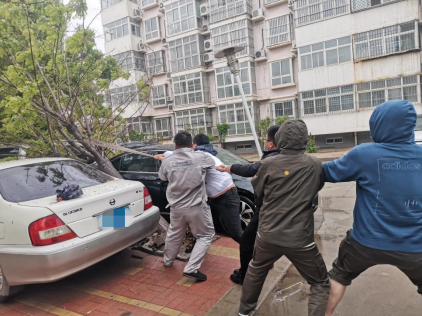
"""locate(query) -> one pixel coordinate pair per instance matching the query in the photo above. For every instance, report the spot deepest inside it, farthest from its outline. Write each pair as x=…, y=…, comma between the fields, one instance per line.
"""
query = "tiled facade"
x=329, y=62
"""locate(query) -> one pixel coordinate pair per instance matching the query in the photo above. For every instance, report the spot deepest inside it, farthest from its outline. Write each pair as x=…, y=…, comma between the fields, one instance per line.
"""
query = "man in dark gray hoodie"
x=289, y=182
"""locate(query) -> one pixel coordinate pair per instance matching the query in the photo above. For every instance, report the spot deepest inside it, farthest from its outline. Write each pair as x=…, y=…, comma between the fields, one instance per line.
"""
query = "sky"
x=94, y=8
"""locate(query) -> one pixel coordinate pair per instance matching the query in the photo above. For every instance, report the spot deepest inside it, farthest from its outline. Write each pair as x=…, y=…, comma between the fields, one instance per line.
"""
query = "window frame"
x=334, y=140
x=121, y=158
x=385, y=86
x=185, y=118
x=281, y=76
x=175, y=10
x=278, y=26
x=181, y=93
x=157, y=30
x=159, y=67
x=125, y=26
x=305, y=13
x=369, y=6
x=128, y=60
x=159, y=96
x=222, y=10
x=161, y=132
x=179, y=46
x=321, y=49
x=363, y=43
x=225, y=73
x=124, y=94
x=283, y=104
x=328, y=98
x=224, y=117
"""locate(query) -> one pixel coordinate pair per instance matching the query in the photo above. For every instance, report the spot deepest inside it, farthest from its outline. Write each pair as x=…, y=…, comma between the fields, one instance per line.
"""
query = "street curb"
x=228, y=304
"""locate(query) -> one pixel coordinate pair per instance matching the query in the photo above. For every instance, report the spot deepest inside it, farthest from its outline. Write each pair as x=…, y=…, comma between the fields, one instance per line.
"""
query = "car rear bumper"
x=28, y=264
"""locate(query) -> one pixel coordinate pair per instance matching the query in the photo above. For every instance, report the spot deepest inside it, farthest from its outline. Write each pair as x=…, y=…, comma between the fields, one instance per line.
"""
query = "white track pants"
x=201, y=226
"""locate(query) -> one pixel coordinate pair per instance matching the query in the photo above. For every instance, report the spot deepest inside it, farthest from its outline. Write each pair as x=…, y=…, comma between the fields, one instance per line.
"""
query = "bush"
x=211, y=138
x=311, y=147
x=135, y=136
x=281, y=119
x=263, y=127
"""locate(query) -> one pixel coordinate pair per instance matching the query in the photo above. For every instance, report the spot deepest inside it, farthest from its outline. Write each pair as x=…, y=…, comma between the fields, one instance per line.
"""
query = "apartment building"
x=328, y=62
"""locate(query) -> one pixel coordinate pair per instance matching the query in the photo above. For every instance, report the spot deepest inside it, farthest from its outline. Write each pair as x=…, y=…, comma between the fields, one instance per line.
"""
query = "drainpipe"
x=356, y=138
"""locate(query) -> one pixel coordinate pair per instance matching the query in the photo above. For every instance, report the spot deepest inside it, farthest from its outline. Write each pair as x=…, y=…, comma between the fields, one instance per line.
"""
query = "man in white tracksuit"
x=185, y=170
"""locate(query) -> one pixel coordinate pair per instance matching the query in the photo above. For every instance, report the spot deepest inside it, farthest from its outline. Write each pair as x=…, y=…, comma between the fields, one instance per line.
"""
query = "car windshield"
x=228, y=158
x=39, y=180
x=418, y=126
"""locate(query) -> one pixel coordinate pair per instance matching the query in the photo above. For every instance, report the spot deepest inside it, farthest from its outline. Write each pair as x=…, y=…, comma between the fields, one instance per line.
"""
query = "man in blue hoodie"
x=387, y=227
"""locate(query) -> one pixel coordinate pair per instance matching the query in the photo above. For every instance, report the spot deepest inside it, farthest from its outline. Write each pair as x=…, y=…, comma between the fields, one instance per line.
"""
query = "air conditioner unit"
x=208, y=45
x=169, y=100
x=137, y=14
x=290, y=3
x=164, y=41
x=257, y=14
x=161, y=5
x=208, y=57
x=260, y=54
x=141, y=46
x=205, y=28
x=204, y=10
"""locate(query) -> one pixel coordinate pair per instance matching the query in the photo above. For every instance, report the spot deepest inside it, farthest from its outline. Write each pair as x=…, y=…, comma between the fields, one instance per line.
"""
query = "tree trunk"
x=105, y=165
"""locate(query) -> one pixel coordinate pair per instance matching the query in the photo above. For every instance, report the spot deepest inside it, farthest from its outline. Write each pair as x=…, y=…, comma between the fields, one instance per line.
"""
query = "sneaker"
x=168, y=265
x=198, y=276
x=238, y=277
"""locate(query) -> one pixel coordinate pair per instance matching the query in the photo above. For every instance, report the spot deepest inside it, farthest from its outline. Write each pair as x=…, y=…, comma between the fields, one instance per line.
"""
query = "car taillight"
x=49, y=230
x=147, y=199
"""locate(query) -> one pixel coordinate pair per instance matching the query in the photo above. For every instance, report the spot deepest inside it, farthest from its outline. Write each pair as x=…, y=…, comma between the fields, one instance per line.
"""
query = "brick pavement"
x=123, y=286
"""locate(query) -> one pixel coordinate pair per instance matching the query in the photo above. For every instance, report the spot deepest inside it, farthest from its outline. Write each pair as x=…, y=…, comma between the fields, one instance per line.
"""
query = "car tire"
x=5, y=289
x=246, y=210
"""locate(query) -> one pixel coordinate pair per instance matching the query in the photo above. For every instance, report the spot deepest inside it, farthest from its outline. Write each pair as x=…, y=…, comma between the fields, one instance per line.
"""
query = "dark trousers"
x=227, y=207
x=354, y=258
x=308, y=261
x=247, y=243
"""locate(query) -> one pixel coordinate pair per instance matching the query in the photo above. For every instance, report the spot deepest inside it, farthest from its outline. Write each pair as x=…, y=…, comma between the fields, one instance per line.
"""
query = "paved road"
x=380, y=291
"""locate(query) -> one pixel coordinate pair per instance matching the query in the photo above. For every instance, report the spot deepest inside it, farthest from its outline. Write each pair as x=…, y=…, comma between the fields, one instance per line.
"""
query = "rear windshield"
x=228, y=158
x=39, y=180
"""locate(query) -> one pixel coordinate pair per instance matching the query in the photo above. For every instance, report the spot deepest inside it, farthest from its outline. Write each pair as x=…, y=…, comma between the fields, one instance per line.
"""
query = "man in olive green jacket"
x=289, y=182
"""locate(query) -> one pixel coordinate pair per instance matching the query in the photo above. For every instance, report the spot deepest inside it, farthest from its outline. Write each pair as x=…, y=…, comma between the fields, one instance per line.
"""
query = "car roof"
x=23, y=162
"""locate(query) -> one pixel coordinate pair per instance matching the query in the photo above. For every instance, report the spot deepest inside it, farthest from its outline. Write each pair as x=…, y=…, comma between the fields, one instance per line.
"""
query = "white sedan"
x=42, y=240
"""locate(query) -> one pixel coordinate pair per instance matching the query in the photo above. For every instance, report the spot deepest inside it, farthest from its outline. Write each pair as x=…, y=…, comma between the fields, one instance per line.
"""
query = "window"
x=120, y=28
x=108, y=3
x=148, y=2
x=123, y=95
x=386, y=41
x=271, y=1
x=328, y=100
x=221, y=10
x=246, y=146
x=131, y=60
x=326, y=53
x=311, y=11
x=226, y=82
x=372, y=94
x=234, y=115
x=155, y=62
x=162, y=127
x=181, y=16
x=39, y=180
x=159, y=96
x=283, y=108
x=358, y=5
x=184, y=53
x=197, y=120
x=152, y=28
x=138, y=163
x=332, y=141
x=140, y=125
x=278, y=30
x=188, y=89
x=235, y=33
x=281, y=72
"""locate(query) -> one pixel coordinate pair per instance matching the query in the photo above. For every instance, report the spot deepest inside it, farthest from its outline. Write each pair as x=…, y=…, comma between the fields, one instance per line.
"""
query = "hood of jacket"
x=292, y=137
x=207, y=148
x=393, y=122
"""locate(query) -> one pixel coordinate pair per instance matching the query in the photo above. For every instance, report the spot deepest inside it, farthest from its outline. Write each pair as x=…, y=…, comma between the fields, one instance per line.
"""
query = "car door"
x=144, y=169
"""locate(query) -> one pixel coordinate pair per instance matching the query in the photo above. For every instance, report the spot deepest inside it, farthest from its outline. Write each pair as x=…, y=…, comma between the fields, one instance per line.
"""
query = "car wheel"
x=246, y=211
x=5, y=289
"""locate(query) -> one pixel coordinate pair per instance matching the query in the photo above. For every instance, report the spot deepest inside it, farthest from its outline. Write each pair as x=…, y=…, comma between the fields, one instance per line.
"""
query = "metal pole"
x=248, y=114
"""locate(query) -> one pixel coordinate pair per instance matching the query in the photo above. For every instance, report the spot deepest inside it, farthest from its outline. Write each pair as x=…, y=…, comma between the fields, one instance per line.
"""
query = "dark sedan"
x=145, y=169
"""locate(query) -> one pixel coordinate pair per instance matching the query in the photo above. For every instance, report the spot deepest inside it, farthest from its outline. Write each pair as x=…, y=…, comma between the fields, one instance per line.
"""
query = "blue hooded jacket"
x=388, y=175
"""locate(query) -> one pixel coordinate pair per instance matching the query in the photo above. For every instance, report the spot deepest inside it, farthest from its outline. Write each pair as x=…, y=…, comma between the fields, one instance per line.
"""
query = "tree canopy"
x=53, y=82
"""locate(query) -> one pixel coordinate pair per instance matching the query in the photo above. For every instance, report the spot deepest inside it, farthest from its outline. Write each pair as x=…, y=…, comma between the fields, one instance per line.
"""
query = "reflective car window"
x=138, y=163
x=116, y=163
x=39, y=180
x=228, y=158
